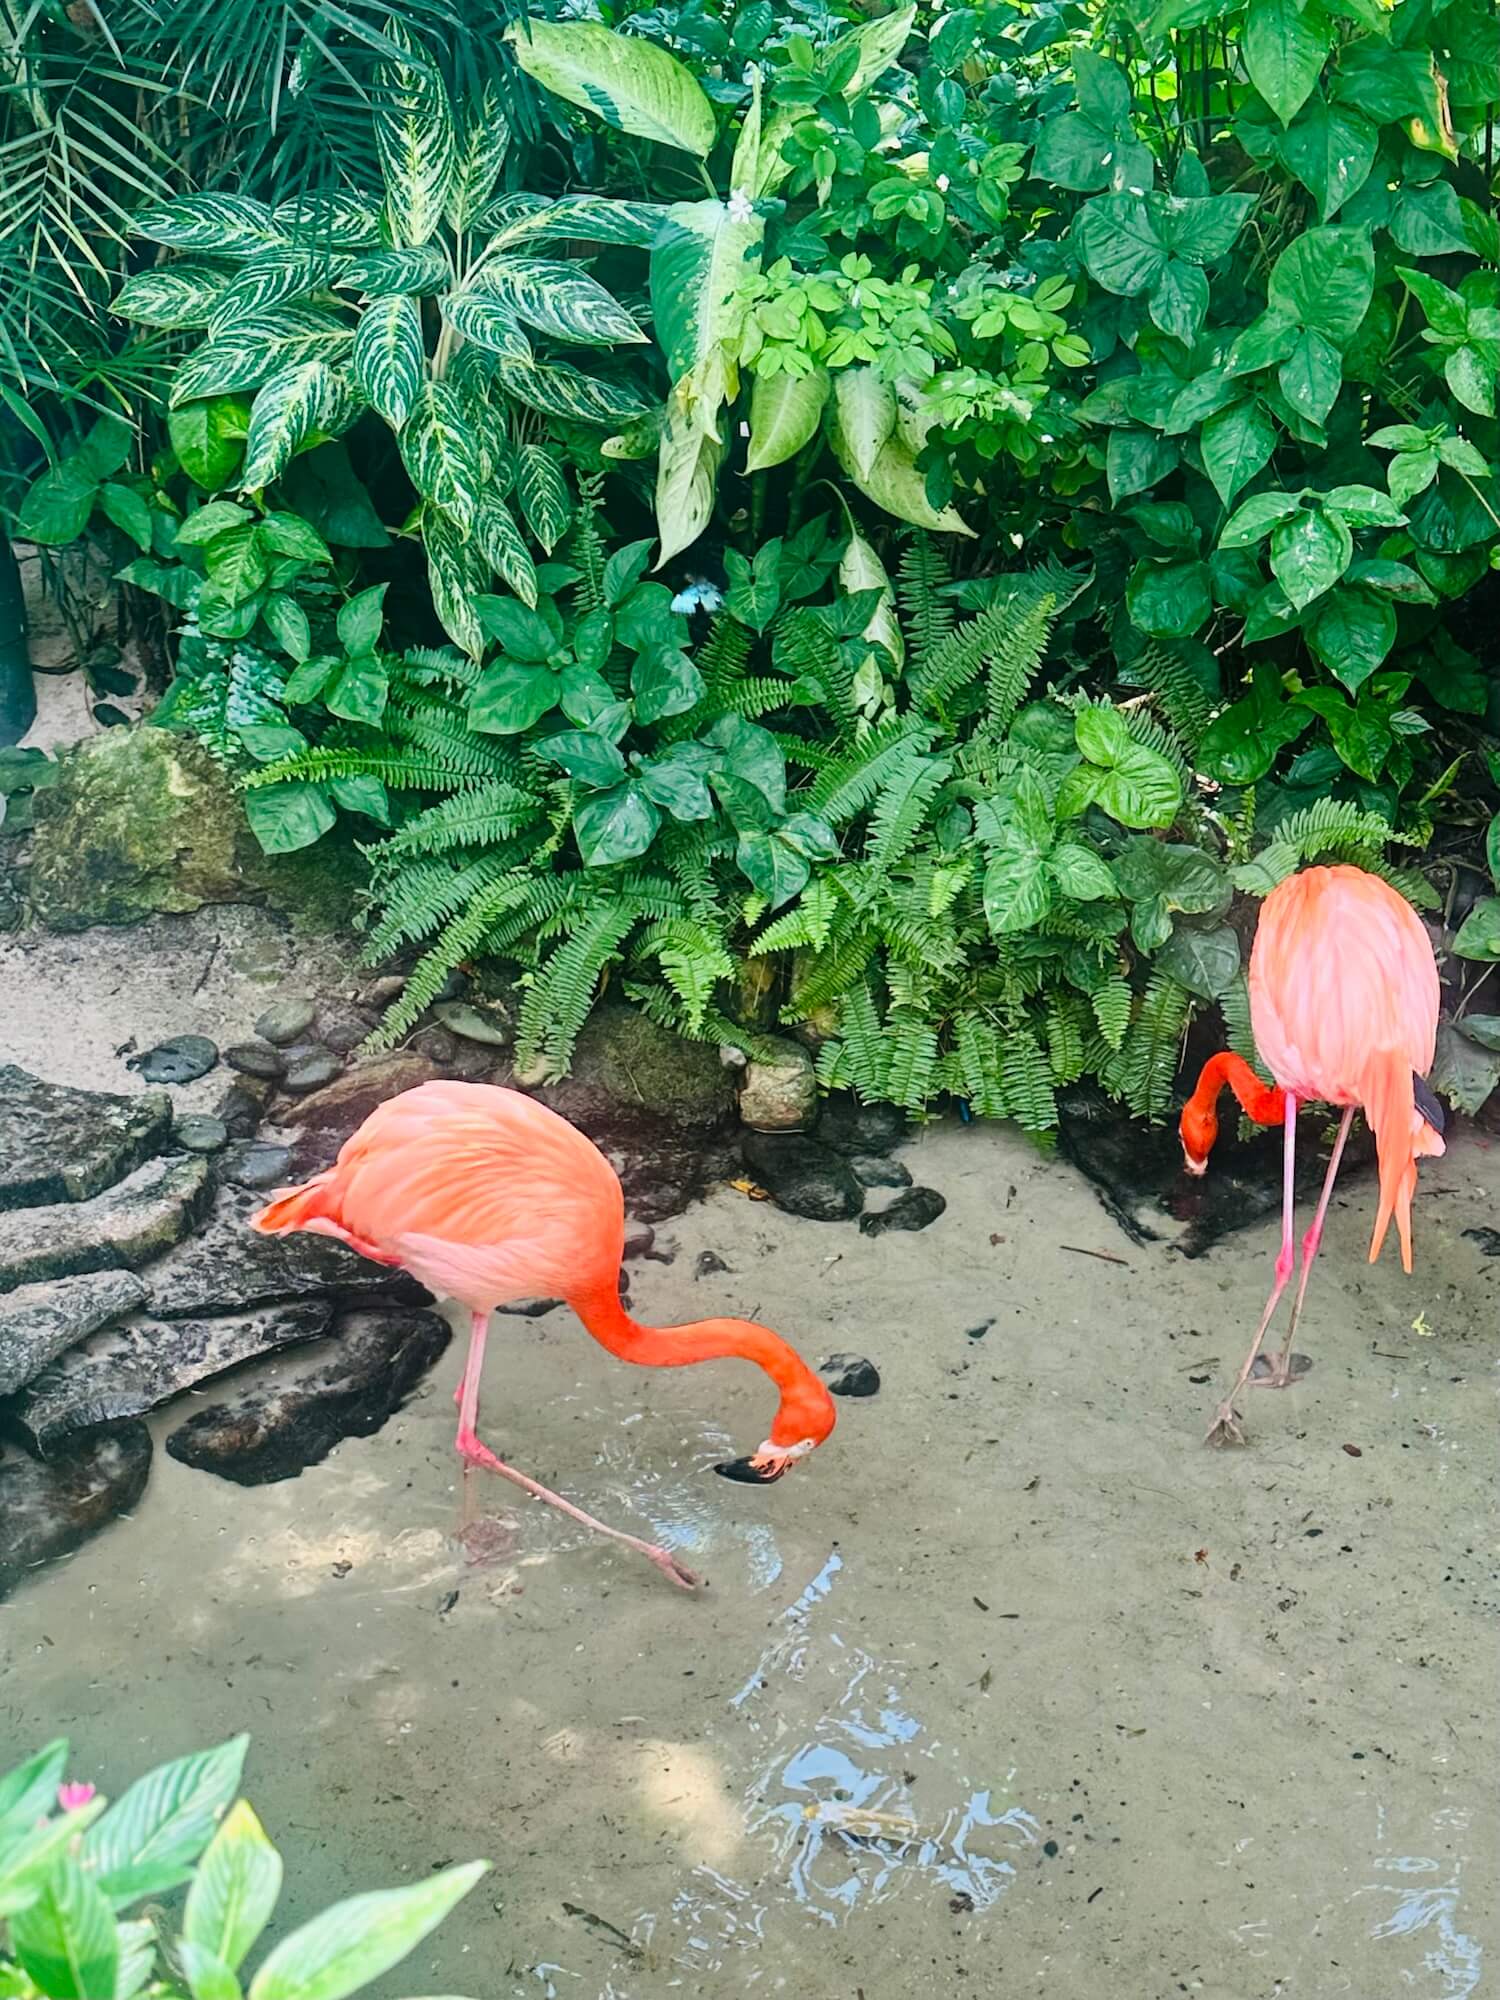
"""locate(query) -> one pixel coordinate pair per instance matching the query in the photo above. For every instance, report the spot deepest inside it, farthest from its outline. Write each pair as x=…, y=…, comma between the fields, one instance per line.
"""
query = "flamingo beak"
x=753, y=1471
x=1197, y=1168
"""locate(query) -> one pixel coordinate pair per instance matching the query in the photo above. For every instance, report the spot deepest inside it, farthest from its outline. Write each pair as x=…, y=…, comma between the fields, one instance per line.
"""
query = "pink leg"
x=1281, y=1376
x=1225, y=1428
x=473, y=1453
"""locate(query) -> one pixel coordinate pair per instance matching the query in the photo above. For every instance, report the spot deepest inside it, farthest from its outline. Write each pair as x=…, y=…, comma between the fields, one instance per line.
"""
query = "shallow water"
x=1013, y=1688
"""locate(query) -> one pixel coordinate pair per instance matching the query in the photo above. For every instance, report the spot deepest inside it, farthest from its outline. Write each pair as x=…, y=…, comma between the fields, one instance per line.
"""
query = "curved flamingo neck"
x=805, y=1409
x=1264, y=1102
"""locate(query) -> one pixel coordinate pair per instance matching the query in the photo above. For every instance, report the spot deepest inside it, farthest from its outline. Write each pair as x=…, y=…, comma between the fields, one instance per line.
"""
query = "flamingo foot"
x=475, y=1453
x=1283, y=1373
x=1226, y=1427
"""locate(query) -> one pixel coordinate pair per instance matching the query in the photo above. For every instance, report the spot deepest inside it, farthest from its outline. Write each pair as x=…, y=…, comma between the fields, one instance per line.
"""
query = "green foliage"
x=72, y=1863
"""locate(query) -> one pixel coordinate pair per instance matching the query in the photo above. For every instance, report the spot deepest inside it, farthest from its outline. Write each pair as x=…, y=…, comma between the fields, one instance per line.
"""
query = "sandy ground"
x=1145, y=1719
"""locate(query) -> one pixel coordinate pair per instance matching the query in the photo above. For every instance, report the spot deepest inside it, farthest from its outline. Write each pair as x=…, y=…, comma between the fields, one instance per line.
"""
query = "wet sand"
x=1014, y=1688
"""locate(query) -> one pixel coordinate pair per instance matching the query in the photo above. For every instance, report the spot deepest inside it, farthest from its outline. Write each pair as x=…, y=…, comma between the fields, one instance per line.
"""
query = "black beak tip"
x=747, y=1473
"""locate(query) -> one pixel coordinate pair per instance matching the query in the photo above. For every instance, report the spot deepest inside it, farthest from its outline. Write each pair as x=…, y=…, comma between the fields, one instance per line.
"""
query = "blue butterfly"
x=698, y=596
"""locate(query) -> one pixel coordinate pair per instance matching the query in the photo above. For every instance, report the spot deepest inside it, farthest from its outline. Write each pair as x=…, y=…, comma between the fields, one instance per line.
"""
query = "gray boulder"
x=39, y=1322
x=129, y=1224
x=58, y=1144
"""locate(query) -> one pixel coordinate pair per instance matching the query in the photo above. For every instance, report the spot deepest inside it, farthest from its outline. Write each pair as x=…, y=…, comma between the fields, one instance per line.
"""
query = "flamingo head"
x=1197, y=1129
x=802, y=1423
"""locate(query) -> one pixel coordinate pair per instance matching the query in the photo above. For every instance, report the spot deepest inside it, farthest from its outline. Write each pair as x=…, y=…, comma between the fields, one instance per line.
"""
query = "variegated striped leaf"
x=455, y=572
x=377, y=272
x=388, y=356
x=482, y=317
x=331, y=221
x=560, y=391
x=343, y=404
x=480, y=158
x=414, y=138
x=581, y=218
x=490, y=425
x=257, y=347
x=629, y=82
x=440, y=454
x=543, y=494
x=686, y=472
x=504, y=549
x=288, y=408
x=560, y=300
x=272, y=278
x=700, y=263
x=172, y=295
x=228, y=225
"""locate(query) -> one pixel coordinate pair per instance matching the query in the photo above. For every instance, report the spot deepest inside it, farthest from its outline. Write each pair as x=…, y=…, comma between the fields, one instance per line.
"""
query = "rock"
x=640, y=1239
x=58, y=1144
x=780, y=1093
x=381, y=991
x=258, y=1165
x=181, y=1060
x=329, y=1116
x=436, y=1044
x=342, y=1027
x=129, y=1224
x=476, y=1022
x=48, y=1510
x=872, y=1171
x=846, y=1375
x=135, y=1367
x=472, y=1062
x=803, y=1177
x=256, y=1059
x=242, y=1107
x=229, y=1267
x=851, y=1127
x=1487, y=1239
x=286, y=1021
x=201, y=1132
x=914, y=1209
x=139, y=821
x=309, y=1069
x=707, y=1263
x=277, y=1431
x=11, y=911
x=530, y=1308
x=39, y=1322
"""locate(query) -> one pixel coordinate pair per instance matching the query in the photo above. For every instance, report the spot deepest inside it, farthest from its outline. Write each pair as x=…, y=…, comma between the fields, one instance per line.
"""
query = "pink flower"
x=71, y=1797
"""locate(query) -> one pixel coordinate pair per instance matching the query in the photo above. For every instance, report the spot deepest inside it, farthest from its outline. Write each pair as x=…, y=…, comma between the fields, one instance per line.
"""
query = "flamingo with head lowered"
x=486, y=1197
x=1344, y=1008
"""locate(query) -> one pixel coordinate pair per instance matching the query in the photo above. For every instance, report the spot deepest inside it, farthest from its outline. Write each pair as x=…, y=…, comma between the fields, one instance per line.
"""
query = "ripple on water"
x=1422, y=1905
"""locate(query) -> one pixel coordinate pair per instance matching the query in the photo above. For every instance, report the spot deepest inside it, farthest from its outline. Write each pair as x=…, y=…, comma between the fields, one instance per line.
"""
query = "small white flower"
x=751, y=76
x=741, y=208
x=1136, y=190
x=1046, y=437
x=942, y=181
x=1017, y=540
x=744, y=429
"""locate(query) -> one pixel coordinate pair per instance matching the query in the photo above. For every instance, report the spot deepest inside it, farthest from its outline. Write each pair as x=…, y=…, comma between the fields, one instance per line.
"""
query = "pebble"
x=852, y=1127
x=708, y=1262
x=474, y=1024
x=287, y=1020
x=258, y=1165
x=640, y=1239
x=255, y=1059
x=201, y=1132
x=309, y=1068
x=436, y=1044
x=181, y=1060
x=382, y=991
x=529, y=1308
x=240, y=1108
x=802, y=1176
x=342, y=1027
x=914, y=1209
x=850, y=1375
x=872, y=1171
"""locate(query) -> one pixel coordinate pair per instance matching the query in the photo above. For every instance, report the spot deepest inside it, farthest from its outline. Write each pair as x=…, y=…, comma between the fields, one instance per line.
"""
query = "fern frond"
x=979, y=1061
x=1112, y=1003
x=921, y=578
x=459, y=940
x=901, y=809
x=477, y=817
x=693, y=961
x=1152, y=1050
x=847, y=785
x=424, y=896
x=1068, y=1026
x=865, y=1056
x=1026, y=1078
x=807, y=922
x=912, y=1056
x=1234, y=1005
x=563, y=991
x=402, y=771
x=586, y=550
x=1187, y=704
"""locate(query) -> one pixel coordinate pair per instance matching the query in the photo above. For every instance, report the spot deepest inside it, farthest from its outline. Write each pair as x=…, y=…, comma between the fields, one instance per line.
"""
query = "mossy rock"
x=624, y=1056
x=140, y=822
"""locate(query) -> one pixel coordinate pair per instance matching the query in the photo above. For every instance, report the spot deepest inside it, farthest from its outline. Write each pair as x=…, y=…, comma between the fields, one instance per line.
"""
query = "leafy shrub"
x=71, y=1864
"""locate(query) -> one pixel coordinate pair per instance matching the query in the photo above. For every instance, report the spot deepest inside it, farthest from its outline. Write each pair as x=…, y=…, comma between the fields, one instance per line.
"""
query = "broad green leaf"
x=1351, y=633
x=752, y=755
x=1203, y=398
x=106, y=447
x=543, y=494
x=1447, y=313
x=1361, y=731
x=227, y=225
x=28, y=1791
x=415, y=140
x=359, y=691
x=209, y=438
x=1263, y=343
x=1363, y=507
x=700, y=263
x=147, y=1841
x=234, y=1889
x=1240, y=746
x=1309, y=553
x=388, y=359
x=1235, y=445
x=876, y=45
x=1324, y=279
x=1284, y=49
x=332, y=219
x=1330, y=150
x=772, y=865
x=1206, y=962
x=785, y=411
x=560, y=301
x=511, y=695
x=1179, y=301
x=1479, y=934
x=559, y=391
x=615, y=826
x=456, y=569
x=1470, y=374
x=488, y=320
x=1135, y=460
x=896, y=486
x=581, y=218
x=687, y=468
x=58, y=506
x=1133, y=784
x=504, y=547
x=285, y=818
x=1428, y=222
x=585, y=755
x=1201, y=228
x=30, y=1854
x=478, y=160
x=65, y=1940
x=1312, y=375
x=287, y=623
x=266, y=281
x=1394, y=578
x=172, y=295
x=678, y=780
x=1410, y=473
x=205, y=524
x=322, y=486
x=136, y=1941
x=663, y=684
x=236, y=563
x=360, y=620
x=1464, y=457
x=631, y=83
x=1256, y=518
x=866, y=406
x=1073, y=152
x=286, y=410
x=1170, y=600
x=1017, y=889
x=208, y=1977
x=624, y=570
x=1080, y=873
x=290, y=535
x=1120, y=244
x=754, y=592
x=440, y=453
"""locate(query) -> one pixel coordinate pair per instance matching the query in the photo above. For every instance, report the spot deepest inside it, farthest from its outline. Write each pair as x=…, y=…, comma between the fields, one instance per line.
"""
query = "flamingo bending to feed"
x=1344, y=1007
x=486, y=1196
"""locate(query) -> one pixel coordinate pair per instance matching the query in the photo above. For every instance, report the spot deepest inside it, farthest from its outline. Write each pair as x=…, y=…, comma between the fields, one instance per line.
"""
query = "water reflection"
x=1427, y=1910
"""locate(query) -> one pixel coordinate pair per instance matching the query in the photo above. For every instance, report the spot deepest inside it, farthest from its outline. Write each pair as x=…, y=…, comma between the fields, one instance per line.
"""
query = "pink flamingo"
x=486, y=1196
